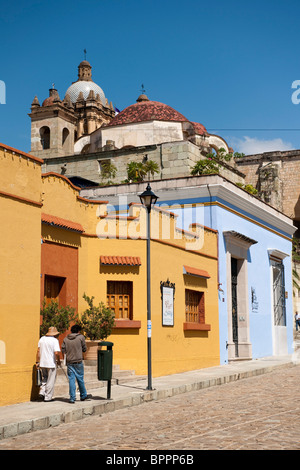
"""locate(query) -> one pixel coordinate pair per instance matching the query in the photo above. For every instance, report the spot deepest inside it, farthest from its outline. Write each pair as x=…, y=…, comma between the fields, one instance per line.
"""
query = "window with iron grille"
x=119, y=298
x=278, y=293
x=194, y=306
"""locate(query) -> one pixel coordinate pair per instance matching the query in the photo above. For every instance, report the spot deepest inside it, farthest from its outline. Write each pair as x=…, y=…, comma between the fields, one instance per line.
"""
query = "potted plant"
x=55, y=315
x=96, y=324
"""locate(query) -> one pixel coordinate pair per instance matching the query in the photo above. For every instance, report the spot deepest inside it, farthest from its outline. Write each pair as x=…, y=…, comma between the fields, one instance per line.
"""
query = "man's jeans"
x=76, y=371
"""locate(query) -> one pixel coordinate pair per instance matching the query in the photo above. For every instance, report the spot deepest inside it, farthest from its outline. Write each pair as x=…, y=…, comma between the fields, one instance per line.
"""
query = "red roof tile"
x=199, y=128
x=48, y=101
x=195, y=272
x=121, y=260
x=147, y=111
x=62, y=223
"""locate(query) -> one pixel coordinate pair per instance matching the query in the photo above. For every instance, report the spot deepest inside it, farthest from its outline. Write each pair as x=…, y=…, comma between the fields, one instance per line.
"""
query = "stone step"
x=63, y=389
x=90, y=373
x=92, y=376
x=91, y=379
x=93, y=364
x=128, y=379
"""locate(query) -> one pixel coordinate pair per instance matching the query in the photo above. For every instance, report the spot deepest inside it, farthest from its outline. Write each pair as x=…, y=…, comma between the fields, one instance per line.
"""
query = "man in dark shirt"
x=73, y=346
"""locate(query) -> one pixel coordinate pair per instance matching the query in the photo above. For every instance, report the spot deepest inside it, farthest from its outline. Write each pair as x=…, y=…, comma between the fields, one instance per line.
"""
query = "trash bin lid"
x=105, y=343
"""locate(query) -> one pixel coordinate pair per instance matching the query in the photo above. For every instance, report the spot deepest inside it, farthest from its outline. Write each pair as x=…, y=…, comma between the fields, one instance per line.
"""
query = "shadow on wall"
x=297, y=218
x=35, y=388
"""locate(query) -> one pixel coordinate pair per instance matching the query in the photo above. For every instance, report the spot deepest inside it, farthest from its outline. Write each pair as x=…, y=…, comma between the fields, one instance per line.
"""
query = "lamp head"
x=148, y=198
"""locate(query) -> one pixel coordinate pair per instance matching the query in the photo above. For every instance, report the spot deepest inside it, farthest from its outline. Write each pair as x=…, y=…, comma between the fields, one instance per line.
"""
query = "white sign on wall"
x=167, y=291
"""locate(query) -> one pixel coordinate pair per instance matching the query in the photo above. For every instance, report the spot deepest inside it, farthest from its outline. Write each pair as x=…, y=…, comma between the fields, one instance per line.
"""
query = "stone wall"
x=175, y=159
x=137, y=134
x=284, y=185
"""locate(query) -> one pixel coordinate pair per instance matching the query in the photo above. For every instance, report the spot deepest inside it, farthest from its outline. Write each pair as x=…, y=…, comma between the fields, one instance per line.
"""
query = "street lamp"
x=148, y=198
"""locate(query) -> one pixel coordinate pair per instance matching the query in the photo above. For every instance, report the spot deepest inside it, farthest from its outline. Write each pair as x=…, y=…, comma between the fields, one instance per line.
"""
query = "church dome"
x=48, y=101
x=85, y=87
x=145, y=110
x=52, y=99
x=86, y=63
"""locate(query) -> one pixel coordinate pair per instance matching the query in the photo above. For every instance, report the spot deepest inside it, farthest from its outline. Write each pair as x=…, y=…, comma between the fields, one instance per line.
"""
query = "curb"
x=107, y=406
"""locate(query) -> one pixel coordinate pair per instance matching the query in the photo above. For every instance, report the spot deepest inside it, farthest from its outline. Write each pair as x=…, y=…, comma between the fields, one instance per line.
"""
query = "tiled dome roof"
x=84, y=86
x=145, y=110
x=53, y=98
x=48, y=101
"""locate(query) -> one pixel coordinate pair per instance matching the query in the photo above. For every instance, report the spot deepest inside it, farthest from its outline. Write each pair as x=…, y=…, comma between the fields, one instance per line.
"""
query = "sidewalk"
x=32, y=416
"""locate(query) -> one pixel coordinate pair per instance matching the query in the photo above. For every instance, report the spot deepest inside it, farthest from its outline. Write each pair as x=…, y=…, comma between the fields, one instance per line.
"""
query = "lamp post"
x=148, y=198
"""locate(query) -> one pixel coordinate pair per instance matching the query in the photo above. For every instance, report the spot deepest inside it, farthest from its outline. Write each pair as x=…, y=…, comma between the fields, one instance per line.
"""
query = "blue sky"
x=227, y=64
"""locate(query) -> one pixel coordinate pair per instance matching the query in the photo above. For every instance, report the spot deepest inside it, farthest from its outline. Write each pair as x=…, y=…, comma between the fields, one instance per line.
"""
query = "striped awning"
x=120, y=260
x=195, y=272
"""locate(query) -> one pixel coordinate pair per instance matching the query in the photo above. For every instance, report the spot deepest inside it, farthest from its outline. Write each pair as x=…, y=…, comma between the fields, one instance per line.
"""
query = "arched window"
x=65, y=135
x=45, y=137
x=85, y=127
x=86, y=148
x=213, y=149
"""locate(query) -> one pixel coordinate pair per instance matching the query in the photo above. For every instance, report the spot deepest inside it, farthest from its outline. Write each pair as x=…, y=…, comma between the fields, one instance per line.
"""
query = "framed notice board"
x=167, y=298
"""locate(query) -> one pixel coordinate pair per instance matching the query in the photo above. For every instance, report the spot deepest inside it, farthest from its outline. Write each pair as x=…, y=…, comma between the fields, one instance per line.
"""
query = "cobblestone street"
x=259, y=413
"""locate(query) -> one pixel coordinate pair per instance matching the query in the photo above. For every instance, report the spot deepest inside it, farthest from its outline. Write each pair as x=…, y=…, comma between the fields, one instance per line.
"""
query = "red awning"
x=195, y=272
x=62, y=223
x=120, y=260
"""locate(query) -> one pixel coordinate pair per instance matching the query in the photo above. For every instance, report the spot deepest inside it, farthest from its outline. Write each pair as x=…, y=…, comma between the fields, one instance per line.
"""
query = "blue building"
x=255, y=264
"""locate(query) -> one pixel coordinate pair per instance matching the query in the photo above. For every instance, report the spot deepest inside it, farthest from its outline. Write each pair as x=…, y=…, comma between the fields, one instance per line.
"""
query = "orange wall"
x=61, y=261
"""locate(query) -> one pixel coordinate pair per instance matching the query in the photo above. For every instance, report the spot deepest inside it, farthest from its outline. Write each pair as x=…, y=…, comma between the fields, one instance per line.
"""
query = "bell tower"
x=85, y=71
x=52, y=126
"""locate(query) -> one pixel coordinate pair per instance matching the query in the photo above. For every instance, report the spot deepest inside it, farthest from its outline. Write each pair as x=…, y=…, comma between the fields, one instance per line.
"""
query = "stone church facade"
x=78, y=135
x=276, y=176
x=57, y=124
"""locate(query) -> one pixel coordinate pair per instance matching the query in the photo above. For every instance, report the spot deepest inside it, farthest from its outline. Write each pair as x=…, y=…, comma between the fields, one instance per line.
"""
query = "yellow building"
x=57, y=244
x=20, y=260
x=110, y=252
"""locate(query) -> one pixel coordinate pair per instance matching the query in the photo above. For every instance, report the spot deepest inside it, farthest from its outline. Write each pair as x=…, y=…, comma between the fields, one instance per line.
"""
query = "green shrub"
x=58, y=316
x=248, y=187
x=96, y=321
x=212, y=163
x=206, y=166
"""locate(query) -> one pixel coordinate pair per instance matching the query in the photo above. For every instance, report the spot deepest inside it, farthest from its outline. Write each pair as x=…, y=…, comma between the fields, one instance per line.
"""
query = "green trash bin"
x=105, y=361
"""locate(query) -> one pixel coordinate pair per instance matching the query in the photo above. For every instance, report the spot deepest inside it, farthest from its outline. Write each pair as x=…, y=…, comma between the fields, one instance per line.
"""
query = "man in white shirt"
x=47, y=357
